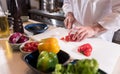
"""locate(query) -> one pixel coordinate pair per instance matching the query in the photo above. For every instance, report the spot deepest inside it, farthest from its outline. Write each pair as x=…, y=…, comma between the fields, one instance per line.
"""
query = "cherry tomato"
x=86, y=53
x=62, y=38
x=30, y=46
x=71, y=37
x=85, y=49
x=67, y=38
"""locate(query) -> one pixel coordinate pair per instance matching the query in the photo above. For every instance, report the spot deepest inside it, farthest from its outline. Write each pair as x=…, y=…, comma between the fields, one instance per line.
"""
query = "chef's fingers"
x=70, y=31
x=66, y=22
x=69, y=26
x=82, y=36
x=77, y=33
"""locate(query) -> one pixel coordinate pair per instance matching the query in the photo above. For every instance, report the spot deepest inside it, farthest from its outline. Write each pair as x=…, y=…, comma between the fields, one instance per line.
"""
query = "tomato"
x=85, y=49
x=62, y=38
x=27, y=45
x=68, y=38
x=30, y=46
x=36, y=44
x=86, y=53
x=71, y=37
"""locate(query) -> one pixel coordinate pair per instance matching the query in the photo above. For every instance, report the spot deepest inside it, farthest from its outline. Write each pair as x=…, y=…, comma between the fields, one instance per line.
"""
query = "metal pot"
x=49, y=5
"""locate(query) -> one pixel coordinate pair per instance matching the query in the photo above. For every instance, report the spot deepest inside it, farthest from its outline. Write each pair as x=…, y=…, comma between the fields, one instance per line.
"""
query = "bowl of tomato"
x=29, y=46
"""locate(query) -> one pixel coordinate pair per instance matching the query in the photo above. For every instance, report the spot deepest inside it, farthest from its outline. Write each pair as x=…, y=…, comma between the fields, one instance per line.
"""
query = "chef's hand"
x=83, y=32
x=69, y=20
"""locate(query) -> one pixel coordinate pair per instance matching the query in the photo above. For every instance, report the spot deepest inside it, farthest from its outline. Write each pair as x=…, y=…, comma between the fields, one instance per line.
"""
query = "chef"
x=92, y=18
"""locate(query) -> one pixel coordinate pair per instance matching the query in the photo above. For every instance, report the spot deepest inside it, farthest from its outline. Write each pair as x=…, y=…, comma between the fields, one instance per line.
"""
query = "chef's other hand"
x=86, y=32
x=69, y=20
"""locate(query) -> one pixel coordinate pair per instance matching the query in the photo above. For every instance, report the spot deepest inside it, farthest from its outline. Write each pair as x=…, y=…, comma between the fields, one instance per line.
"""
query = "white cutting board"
x=104, y=52
x=56, y=32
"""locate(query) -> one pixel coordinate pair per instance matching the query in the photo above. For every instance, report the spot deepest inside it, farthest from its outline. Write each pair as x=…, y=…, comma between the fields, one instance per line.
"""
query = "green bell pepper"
x=47, y=61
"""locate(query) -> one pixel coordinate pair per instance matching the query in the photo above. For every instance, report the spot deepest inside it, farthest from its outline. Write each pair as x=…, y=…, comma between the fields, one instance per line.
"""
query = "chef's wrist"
x=98, y=28
x=69, y=14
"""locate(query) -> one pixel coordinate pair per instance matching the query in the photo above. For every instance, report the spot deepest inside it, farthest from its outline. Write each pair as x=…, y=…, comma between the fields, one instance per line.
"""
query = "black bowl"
x=31, y=59
x=36, y=28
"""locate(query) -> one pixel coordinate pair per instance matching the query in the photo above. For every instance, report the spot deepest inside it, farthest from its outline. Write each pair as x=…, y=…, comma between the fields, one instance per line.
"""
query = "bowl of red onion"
x=17, y=39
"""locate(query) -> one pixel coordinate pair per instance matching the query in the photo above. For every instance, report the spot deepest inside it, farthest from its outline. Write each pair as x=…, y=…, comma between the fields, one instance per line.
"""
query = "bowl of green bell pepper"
x=44, y=62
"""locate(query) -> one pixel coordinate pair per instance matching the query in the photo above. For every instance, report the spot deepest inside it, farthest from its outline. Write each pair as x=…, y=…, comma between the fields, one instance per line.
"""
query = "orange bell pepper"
x=49, y=44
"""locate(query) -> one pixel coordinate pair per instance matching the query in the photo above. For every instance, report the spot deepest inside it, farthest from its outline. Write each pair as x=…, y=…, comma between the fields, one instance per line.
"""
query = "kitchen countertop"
x=12, y=62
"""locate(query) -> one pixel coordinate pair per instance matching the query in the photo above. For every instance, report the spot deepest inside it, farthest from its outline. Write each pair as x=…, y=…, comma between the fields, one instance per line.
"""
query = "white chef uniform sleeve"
x=67, y=6
x=112, y=20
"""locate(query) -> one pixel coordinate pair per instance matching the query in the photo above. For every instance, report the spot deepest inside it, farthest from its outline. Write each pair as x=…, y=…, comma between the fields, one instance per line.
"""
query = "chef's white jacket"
x=89, y=12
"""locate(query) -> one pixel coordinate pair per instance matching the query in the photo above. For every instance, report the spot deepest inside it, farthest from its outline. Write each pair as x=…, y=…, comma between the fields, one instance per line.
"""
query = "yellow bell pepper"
x=49, y=44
